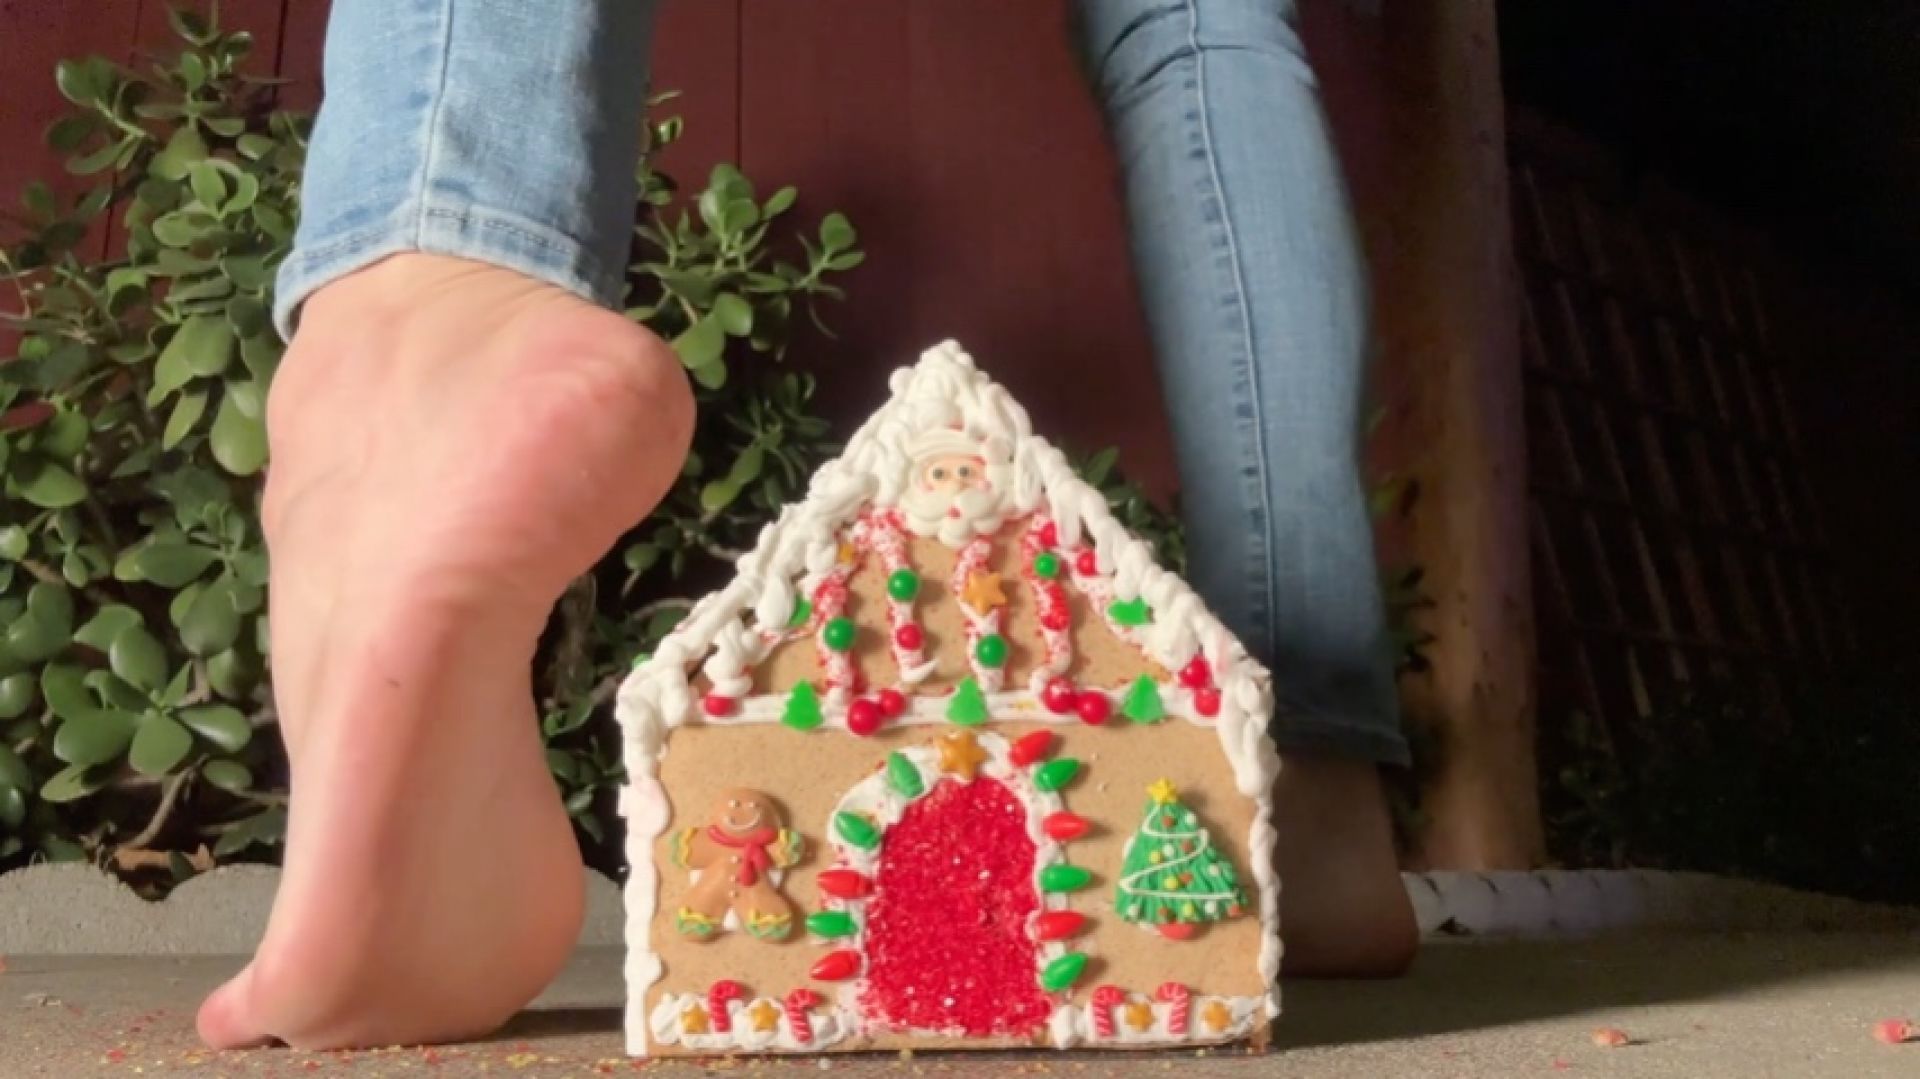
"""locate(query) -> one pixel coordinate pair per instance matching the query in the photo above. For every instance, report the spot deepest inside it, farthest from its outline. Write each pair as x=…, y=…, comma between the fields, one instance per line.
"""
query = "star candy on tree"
x=1162, y=792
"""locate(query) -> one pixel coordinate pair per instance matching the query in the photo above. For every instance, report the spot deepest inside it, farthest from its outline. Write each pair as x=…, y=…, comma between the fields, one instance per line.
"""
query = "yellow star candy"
x=764, y=1015
x=1139, y=1015
x=960, y=753
x=848, y=554
x=694, y=1020
x=983, y=592
x=1162, y=792
x=1216, y=1016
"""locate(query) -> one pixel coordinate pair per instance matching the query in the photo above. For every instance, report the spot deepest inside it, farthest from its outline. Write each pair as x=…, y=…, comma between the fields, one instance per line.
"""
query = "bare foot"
x=452, y=443
x=1343, y=910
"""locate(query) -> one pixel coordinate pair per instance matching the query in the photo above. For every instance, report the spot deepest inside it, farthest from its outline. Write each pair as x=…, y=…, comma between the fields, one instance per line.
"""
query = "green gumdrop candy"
x=903, y=585
x=1063, y=972
x=1055, y=774
x=968, y=706
x=1046, y=564
x=1143, y=701
x=803, y=708
x=856, y=830
x=839, y=633
x=903, y=777
x=1061, y=877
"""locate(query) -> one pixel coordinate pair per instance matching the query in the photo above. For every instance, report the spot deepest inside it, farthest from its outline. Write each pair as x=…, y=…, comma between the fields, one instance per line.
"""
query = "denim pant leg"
x=1254, y=287
x=503, y=131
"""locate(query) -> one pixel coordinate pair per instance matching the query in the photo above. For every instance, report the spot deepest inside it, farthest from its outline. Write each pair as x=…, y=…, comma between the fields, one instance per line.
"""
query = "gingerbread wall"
x=807, y=773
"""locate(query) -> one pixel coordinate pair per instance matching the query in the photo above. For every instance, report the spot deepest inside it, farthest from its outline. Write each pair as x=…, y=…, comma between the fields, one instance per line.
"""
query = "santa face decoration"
x=956, y=486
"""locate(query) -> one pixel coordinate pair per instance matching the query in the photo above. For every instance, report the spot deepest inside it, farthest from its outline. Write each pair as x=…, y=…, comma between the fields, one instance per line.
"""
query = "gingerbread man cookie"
x=734, y=855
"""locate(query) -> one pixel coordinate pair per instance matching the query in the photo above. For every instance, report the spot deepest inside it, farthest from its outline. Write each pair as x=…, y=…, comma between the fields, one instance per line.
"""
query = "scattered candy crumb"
x=1611, y=1037
x=1895, y=1031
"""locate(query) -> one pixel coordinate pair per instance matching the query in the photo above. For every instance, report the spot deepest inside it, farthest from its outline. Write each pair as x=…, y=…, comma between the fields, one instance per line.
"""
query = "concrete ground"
x=1748, y=1005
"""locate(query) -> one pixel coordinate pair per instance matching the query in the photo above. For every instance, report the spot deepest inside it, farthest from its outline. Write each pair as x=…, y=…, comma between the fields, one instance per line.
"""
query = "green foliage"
x=133, y=639
x=1815, y=791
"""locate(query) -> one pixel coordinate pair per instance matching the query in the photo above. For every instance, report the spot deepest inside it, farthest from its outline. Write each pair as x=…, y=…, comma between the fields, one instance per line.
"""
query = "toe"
x=226, y=1020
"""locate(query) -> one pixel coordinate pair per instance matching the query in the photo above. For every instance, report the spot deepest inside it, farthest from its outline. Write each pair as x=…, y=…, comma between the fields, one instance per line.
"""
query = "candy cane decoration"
x=1105, y=1000
x=719, y=996
x=1050, y=601
x=798, y=1003
x=972, y=560
x=882, y=534
x=1182, y=1000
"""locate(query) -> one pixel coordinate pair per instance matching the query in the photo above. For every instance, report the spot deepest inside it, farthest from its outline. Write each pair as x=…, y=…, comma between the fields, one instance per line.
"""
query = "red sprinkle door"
x=947, y=943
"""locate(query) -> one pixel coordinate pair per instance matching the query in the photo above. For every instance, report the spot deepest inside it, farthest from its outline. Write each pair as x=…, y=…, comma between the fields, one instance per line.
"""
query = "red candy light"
x=1094, y=707
x=1207, y=701
x=1058, y=695
x=863, y=717
x=892, y=703
x=837, y=966
x=717, y=704
x=844, y=883
x=1058, y=924
x=1030, y=747
x=1086, y=563
x=1064, y=826
x=1196, y=674
x=909, y=637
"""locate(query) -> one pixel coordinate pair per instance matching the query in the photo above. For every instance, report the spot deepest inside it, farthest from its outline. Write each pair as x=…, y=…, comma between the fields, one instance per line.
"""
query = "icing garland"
x=1171, y=1014
x=881, y=533
x=981, y=602
x=1042, y=568
x=725, y=1018
x=873, y=469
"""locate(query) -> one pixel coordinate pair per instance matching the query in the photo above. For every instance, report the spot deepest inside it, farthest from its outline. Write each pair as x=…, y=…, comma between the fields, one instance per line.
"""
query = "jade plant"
x=135, y=709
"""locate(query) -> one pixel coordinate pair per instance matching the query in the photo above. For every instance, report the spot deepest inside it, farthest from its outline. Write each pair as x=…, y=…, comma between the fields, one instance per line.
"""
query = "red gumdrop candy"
x=844, y=883
x=1057, y=618
x=717, y=704
x=1064, y=826
x=1087, y=563
x=1058, y=924
x=892, y=703
x=836, y=966
x=1207, y=701
x=1094, y=707
x=1196, y=674
x=909, y=637
x=1049, y=535
x=863, y=717
x=1058, y=695
x=1030, y=747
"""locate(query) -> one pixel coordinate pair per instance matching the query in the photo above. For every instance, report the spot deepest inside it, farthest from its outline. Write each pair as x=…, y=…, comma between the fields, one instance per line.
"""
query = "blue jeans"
x=506, y=131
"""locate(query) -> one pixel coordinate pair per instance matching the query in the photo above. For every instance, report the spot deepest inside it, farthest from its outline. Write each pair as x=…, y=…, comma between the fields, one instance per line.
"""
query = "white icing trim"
x=803, y=543
x=667, y=1027
x=1072, y=1024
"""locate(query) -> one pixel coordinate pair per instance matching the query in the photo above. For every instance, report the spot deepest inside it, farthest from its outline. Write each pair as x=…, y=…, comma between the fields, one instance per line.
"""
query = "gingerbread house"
x=950, y=763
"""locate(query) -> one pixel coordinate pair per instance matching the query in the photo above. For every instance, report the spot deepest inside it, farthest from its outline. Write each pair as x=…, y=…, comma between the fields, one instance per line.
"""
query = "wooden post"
x=1439, y=232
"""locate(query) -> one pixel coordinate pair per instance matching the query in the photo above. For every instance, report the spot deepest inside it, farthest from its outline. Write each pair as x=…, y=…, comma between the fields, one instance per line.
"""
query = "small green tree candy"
x=1143, y=701
x=1061, y=877
x=903, y=585
x=903, y=776
x=839, y=633
x=1055, y=774
x=830, y=923
x=1132, y=612
x=1063, y=972
x=991, y=651
x=968, y=707
x=856, y=830
x=803, y=708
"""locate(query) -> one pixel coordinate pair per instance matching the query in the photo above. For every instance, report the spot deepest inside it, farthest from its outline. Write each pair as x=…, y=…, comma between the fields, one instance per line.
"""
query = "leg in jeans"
x=1254, y=288
x=458, y=430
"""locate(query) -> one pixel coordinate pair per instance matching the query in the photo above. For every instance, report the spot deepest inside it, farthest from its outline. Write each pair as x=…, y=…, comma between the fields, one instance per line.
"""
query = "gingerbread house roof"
x=943, y=405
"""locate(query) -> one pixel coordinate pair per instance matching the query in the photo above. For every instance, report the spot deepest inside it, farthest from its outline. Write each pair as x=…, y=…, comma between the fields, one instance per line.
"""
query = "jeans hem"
x=484, y=235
